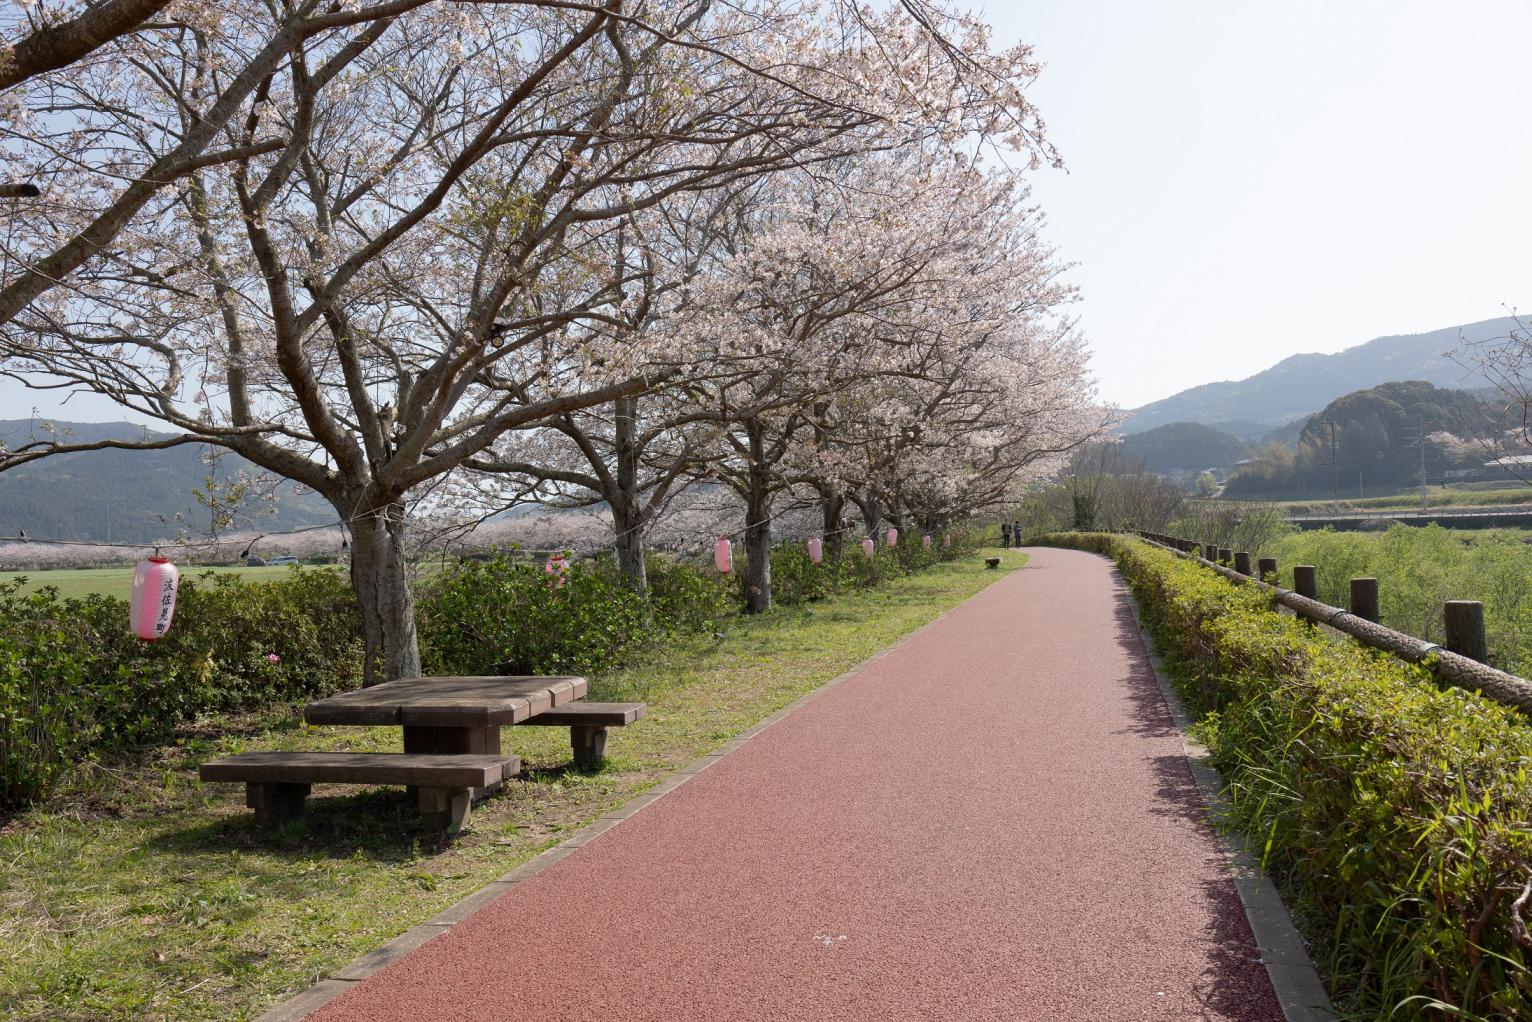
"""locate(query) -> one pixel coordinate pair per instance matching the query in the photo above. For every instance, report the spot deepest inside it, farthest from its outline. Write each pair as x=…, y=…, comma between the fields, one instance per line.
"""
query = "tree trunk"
x=629, y=524
x=381, y=581
x=628, y=518
x=757, y=526
x=831, y=506
x=872, y=515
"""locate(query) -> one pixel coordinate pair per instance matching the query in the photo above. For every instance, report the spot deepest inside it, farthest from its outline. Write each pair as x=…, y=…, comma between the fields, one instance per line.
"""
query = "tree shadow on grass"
x=380, y=825
x=554, y=774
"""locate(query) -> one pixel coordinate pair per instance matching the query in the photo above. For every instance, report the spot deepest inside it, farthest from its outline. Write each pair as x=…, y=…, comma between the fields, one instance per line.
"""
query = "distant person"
x=1005, y=535
x=1016, y=531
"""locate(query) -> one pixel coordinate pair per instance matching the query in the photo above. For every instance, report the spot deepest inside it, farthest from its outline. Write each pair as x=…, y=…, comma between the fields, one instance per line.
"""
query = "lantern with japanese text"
x=892, y=537
x=723, y=555
x=925, y=541
x=947, y=540
x=867, y=546
x=153, y=603
x=816, y=549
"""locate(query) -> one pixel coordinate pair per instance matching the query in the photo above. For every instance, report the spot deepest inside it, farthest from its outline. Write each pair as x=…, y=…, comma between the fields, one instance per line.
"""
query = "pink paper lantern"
x=892, y=537
x=925, y=541
x=153, y=604
x=816, y=549
x=723, y=555
x=867, y=546
x=557, y=566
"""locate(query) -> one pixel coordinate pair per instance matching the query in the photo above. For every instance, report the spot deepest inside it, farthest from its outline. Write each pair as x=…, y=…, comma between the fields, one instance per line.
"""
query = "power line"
x=1419, y=440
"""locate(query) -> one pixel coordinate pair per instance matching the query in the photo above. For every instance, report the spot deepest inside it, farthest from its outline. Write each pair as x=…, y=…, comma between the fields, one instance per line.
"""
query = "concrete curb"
x=342, y=979
x=1296, y=981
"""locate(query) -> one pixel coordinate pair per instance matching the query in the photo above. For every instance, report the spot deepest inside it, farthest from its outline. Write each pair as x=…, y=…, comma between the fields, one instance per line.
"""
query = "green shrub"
x=684, y=598
x=1396, y=810
x=44, y=665
x=507, y=617
x=75, y=682
x=259, y=642
x=796, y=579
x=912, y=553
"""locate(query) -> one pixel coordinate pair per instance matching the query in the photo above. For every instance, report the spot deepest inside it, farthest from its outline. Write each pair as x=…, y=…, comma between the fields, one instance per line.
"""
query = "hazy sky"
x=1247, y=181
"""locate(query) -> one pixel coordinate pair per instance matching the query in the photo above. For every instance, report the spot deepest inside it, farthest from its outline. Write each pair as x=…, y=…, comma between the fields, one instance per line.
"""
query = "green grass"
x=137, y=893
x=118, y=582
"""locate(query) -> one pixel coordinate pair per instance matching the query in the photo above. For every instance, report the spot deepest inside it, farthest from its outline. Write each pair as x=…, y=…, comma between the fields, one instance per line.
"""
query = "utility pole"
x=1334, y=472
x=1419, y=440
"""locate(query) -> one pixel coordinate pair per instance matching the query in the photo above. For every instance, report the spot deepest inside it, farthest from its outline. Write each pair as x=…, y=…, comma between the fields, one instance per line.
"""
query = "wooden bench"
x=587, y=723
x=277, y=783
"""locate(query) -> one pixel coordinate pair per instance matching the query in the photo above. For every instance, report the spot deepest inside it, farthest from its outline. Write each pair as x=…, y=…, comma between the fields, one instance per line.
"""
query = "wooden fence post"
x=1242, y=562
x=1225, y=556
x=1465, y=629
x=1364, y=599
x=1266, y=569
x=1210, y=553
x=1305, y=581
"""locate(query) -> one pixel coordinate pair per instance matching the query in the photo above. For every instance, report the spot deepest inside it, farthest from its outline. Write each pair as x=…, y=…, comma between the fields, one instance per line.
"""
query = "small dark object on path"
x=992, y=562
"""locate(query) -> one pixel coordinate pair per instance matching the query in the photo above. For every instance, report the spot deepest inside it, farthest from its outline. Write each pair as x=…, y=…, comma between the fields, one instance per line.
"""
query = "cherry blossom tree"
x=637, y=452
x=359, y=243
x=54, y=36
x=109, y=107
x=900, y=307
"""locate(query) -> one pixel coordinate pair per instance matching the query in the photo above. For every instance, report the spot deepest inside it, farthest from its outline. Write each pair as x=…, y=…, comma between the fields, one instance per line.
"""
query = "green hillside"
x=1184, y=446
x=1367, y=438
x=128, y=496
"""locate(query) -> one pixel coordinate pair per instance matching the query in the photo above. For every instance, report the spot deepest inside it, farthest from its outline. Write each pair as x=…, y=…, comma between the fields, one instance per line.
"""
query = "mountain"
x=1184, y=446
x=1299, y=386
x=128, y=496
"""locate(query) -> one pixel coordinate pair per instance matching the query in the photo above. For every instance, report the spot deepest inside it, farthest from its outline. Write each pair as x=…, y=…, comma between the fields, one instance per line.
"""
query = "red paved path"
x=993, y=821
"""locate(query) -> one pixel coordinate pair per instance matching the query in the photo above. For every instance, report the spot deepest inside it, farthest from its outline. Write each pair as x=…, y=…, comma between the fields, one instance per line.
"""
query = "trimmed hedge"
x=1397, y=811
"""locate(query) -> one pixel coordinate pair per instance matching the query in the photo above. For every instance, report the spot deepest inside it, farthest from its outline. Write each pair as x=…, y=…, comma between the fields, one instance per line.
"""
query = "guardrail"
x=1485, y=517
x=1452, y=665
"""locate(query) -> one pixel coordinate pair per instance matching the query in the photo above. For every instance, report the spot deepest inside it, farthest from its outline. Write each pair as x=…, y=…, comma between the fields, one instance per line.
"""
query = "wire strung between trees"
x=21, y=536
x=189, y=544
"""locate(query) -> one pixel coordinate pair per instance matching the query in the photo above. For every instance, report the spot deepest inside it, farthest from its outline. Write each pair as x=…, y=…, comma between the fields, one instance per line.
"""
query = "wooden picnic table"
x=458, y=715
x=451, y=744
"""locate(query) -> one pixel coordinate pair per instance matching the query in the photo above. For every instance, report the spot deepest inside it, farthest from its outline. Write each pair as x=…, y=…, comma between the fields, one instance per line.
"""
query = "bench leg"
x=589, y=744
x=275, y=803
x=477, y=741
x=446, y=808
